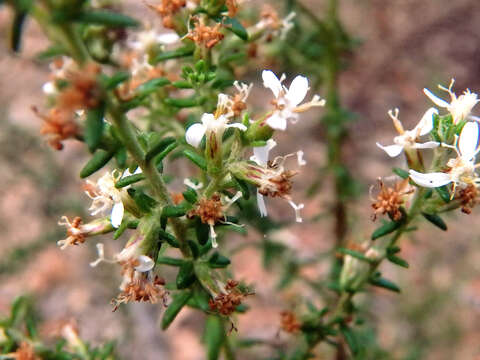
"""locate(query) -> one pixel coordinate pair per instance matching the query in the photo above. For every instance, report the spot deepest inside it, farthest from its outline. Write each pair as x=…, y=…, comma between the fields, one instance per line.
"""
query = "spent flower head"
x=459, y=107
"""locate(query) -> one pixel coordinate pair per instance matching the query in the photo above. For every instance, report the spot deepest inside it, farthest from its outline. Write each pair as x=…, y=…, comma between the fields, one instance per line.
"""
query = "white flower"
x=408, y=138
x=460, y=107
x=461, y=169
x=210, y=124
x=287, y=100
x=278, y=27
x=260, y=156
x=106, y=197
x=145, y=40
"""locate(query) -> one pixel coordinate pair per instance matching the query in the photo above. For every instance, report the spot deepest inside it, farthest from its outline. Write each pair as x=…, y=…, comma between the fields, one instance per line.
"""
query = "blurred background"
x=403, y=46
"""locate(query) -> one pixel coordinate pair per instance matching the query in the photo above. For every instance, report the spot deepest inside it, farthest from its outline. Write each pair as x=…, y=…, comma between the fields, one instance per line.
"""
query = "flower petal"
x=426, y=145
x=271, y=82
x=435, y=99
x=277, y=122
x=391, y=150
x=168, y=38
x=117, y=214
x=194, y=134
x=298, y=90
x=425, y=125
x=467, y=143
x=430, y=180
x=260, y=153
x=261, y=205
x=145, y=263
x=237, y=126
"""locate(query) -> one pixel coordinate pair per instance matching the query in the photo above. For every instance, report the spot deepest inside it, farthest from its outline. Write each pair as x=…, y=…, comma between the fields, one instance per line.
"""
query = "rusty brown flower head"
x=207, y=36
x=82, y=91
x=468, y=198
x=167, y=9
x=58, y=126
x=226, y=302
x=289, y=322
x=390, y=199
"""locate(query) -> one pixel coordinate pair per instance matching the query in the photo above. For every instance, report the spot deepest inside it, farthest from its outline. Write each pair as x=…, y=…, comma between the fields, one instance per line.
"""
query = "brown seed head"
x=83, y=90
x=141, y=289
x=389, y=199
x=25, y=352
x=209, y=210
x=468, y=198
x=207, y=36
x=226, y=303
x=167, y=10
x=58, y=126
x=289, y=322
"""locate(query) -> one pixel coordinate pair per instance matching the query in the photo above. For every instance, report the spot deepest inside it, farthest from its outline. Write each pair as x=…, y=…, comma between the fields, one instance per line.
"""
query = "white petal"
x=145, y=263
x=430, y=180
x=237, y=126
x=260, y=154
x=168, y=38
x=261, y=205
x=195, y=134
x=425, y=125
x=297, y=208
x=277, y=122
x=467, y=143
x=49, y=88
x=391, y=150
x=435, y=99
x=298, y=90
x=117, y=214
x=426, y=145
x=271, y=82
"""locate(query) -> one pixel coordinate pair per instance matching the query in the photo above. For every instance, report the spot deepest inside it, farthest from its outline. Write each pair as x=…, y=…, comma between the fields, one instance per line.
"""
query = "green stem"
x=156, y=181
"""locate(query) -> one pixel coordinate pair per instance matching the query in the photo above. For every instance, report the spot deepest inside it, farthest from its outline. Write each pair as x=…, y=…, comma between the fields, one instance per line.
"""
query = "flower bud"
x=354, y=273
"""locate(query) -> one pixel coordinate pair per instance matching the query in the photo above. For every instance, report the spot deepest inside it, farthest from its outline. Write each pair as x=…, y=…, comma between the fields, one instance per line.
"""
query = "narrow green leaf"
x=243, y=187
x=173, y=211
x=174, y=308
x=52, y=52
x=436, y=220
x=194, y=248
x=195, y=158
x=444, y=193
x=165, y=260
x=350, y=338
x=143, y=201
x=169, y=238
x=182, y=84
x=214, y=336
x=202, y=231
x=218, y=261
x=384, y=283
x=235, y=27
x=99, y=159
x=386, y=229
x=158, y=147
x=151, y=86
x=94, y=126
x=106, y=18
x=402, y=173
x=115, y=80
x=186, y=275
x=121, y=229
x=185, y=102
x=398, y=261
x=180, y=52
x=354, y=253
x=128, y=180
x=17, y=29
x=190, y=195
